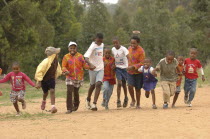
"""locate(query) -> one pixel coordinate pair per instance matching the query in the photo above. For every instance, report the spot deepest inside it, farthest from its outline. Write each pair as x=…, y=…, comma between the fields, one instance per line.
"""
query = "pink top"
x=17, y=80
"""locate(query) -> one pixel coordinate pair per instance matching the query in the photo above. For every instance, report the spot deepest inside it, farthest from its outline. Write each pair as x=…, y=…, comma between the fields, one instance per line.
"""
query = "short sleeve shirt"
x=95, y=55
x=191, y=67
x=120, y=54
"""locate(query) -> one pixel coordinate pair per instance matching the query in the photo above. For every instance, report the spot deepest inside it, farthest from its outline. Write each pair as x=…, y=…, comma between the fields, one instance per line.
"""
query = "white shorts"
x=96, y=76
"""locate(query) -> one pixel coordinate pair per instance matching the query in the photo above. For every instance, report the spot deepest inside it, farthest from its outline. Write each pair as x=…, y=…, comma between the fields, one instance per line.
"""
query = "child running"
x=191, y=65
x=47, y=71
x=168, y=76
x=149, y=80
x=73, y=65
x=17, y=79
x=109, y=77
x=178, y=82
x=135, y=78
x=94, y=58
x=121, y=62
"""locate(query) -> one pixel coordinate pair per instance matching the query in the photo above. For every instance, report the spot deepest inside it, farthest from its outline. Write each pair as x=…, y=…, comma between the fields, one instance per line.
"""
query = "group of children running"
x=129, y=67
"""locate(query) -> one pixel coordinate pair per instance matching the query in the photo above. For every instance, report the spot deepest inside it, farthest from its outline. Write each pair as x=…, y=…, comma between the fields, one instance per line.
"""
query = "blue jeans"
x=107, y=91
x=190, y=88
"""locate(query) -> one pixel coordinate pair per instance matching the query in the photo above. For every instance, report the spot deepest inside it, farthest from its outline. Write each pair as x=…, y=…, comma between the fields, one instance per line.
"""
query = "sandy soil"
x=180, y=122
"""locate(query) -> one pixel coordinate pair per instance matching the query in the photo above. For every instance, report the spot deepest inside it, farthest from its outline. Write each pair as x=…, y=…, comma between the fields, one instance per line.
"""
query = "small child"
x=47, y=71
x=168, y=76
x=178, y=82
x=17, y=79
x=94, y=58
x=73, y=65
x=134, y=77
x=149, y=80
x=121, y=62
x=109, y=77
x=191, y=65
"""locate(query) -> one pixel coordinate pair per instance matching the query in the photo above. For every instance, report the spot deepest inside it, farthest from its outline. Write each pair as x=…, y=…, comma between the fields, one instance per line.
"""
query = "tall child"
x=121, y=62
x=46, y=73
x=149, y=80
x=73, y=65
x=17, y=79
x=94, y=58
x=191, y=65
x=178, y=82
x=109, y=77
x=168, y=76
x=135, y=78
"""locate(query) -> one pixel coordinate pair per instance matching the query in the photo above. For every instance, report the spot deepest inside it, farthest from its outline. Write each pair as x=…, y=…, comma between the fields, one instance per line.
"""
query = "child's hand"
x=92, y=67
x=203, y=78
x=113, y=67
x=38, y=85
x=1, y=93
x=130, y=68
x=65, y=73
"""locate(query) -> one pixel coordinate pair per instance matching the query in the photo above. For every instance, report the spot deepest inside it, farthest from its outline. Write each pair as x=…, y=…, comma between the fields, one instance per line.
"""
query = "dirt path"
x=180, y=122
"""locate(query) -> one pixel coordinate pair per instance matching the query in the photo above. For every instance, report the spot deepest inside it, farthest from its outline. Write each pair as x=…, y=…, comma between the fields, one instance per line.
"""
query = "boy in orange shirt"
x=73, y=65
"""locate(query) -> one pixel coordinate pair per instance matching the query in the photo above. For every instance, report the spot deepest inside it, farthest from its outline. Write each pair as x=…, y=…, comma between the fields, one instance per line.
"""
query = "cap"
x=72, y=43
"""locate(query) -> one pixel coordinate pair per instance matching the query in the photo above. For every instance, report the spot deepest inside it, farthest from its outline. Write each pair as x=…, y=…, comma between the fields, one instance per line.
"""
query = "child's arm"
x=64, y=66
x=92, y=67
x=202, y=73
x=25, y=77
x=6, y=78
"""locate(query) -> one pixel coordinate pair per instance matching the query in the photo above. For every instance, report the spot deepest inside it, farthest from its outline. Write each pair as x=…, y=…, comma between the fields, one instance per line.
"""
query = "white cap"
x=72, y=43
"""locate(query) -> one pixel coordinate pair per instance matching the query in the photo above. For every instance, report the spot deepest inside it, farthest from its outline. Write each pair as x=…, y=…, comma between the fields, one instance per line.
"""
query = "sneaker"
x=189, y=104
x=125, y=103
x=68, y=112
x=18, y=114
x=24, y=104
x=93, y=107
x=53, y=110
x=138, y=107
x=172, y=106
x=87, y=104
x=119, y=104
x=103, y=103
x=106, y=108
x=165, y=106
x=75, y=108
x=154, y=106
x=43, y=105
x=132, y=104
x=185, y=99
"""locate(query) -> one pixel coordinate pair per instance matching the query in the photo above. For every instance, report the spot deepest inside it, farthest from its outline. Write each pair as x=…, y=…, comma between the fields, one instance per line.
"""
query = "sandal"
x=125, y=103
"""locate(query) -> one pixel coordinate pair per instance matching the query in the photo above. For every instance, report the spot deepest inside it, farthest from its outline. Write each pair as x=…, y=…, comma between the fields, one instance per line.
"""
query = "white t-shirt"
x=120, y=54
x=95, y=55
x=145, y=70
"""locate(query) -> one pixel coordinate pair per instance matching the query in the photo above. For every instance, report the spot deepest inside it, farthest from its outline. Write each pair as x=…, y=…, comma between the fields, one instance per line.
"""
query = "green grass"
x=24, y=116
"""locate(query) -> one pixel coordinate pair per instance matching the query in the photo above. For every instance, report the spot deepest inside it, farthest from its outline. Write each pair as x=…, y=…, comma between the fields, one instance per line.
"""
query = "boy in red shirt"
x=190, y=68
x=109, y=77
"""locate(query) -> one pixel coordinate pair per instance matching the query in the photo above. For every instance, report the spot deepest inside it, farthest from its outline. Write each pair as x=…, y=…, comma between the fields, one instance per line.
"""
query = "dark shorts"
x=121, y=74
x=47, y=85
x=135, y=80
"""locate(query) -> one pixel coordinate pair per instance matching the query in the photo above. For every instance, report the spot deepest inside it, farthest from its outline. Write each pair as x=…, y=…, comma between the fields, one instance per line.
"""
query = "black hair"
x=194, y=49
x=99, y=36
x=180, y=56
x=116, y=38
x=15, y=64
x=136, y=38
x=170, y=53
x=107, y=48
x=148, y=58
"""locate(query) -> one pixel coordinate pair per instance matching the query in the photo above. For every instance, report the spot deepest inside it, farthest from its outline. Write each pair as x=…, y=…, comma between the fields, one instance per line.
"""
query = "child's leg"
x=131, y=91
x=20, y=98
x=187, y=87
x=192, y=90
x=125, y=88
x=15, y=104
x=45, y=94
x=119, y=85
x=105, y=91
x=178, y=89
x=166, y=91
x=153, y=96
x=69, y=104
x=147, y=94
x=90, y=91
x=97, y=91
x=110, y=92
x=76, y=98
x=172, y=86
x=138, y=95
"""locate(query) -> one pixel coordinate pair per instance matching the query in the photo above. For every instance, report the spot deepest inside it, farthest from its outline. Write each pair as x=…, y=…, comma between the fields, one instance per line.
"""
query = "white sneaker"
x=87, y=104
x=189, y=104
x=93, y=107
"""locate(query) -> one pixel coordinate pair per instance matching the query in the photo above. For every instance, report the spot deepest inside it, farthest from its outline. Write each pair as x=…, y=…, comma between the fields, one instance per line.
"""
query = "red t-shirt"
x=191, y=67
x=109, y=73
